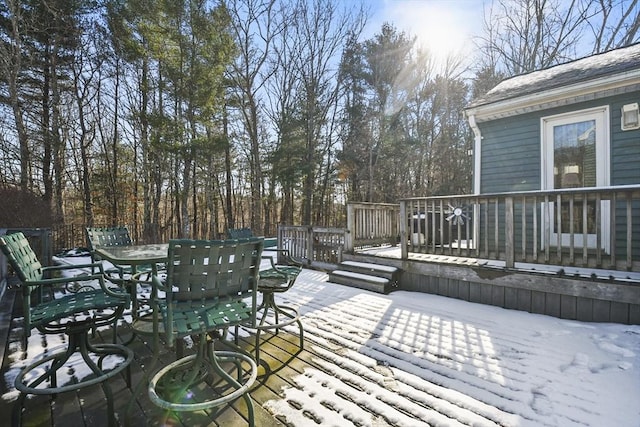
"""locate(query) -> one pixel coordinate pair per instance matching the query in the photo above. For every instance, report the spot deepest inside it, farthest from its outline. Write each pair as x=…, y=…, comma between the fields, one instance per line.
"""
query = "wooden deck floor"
x=397, y=360
x=281, y=360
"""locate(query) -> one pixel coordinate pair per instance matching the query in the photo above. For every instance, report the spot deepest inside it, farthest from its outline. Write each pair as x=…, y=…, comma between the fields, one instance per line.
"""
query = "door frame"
x=603, y=148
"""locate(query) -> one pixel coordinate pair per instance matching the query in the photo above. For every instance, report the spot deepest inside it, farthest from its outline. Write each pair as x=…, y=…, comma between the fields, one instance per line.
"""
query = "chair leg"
x=207, y=353
x=84, y=351
x=144, y=381
x=291, y=314
x=265, y=306
x=115, y=331
x=78, y=342
x=103, y=351
x=16, y=417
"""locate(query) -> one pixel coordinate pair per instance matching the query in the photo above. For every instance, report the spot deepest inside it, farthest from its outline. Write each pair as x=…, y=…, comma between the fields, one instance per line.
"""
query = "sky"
x=442, y=25
x=415, y=359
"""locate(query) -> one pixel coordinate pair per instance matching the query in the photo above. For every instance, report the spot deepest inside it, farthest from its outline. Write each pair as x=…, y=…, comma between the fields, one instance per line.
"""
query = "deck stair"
x=373, y=277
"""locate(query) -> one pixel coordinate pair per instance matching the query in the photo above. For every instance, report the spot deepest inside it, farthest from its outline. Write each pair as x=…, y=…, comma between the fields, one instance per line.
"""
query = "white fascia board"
x=592, y=89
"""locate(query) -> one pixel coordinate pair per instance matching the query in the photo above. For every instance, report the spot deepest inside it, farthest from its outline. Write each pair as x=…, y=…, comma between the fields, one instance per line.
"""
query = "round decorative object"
x=456, y=215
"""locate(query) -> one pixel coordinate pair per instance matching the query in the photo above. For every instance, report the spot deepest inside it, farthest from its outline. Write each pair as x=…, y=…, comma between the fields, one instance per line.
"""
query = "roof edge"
x=536, y=101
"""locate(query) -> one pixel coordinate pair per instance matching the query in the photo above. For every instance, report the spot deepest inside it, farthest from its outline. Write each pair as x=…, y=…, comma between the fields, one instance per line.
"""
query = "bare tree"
x=286, y=152
x=11, y=68
x=319, y=31
x=615, y=23
x=525, y=35
x=84, y=72
x=253, y=27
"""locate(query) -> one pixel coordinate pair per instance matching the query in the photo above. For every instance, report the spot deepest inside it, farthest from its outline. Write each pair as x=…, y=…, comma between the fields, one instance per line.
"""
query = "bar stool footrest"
x=219, y=356
x=104, y=351
x=291, y=313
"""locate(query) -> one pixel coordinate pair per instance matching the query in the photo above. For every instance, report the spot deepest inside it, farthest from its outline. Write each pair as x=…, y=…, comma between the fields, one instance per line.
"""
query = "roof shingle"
x=581, y=70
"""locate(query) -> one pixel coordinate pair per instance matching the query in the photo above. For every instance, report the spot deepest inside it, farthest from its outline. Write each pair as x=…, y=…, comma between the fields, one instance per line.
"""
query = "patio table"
x=136, y=256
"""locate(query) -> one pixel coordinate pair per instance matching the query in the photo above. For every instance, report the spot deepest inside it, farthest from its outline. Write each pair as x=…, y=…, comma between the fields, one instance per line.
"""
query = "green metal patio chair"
x=210, y=286
x=240, y=233
x=52, y=309
x=98, y=237
x=277, y=279
x=105, y=237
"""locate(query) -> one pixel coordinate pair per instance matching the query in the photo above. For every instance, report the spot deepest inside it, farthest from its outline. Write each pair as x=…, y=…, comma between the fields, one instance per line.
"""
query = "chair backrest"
x=107, y=236
x=21, y=256
x=25, y=263
x=212, y=274
x=239, y=233
x=207, y=273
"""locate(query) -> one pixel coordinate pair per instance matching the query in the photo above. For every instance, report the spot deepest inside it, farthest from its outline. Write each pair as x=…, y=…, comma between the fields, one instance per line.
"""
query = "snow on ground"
x=410, y=359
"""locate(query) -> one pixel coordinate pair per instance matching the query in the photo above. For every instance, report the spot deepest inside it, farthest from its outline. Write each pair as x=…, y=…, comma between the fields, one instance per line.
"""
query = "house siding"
x=510, y=150
x=625, y=145
x=510, y=155
x=625, y=168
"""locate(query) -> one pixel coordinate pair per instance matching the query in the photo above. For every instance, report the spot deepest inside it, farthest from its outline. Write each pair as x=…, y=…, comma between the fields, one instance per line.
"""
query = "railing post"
x=404, y=244
x=509, y=238
x=310, y=236
x=348, y=237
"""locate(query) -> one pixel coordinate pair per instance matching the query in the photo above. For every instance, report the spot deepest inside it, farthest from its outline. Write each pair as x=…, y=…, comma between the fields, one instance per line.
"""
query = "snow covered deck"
x=403, y=359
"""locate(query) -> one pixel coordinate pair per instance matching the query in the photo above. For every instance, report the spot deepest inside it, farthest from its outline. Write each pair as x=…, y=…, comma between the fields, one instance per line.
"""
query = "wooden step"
x=359, y=280
x=385, y=271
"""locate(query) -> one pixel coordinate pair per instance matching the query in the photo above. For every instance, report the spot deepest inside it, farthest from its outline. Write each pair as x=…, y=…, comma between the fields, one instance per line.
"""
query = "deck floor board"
x=281, y=360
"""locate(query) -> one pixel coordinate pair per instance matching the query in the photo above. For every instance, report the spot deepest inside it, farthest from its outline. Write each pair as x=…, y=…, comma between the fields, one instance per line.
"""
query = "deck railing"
x=320, y=247
x=69, y=236
x=593, y=227
x=372, y=224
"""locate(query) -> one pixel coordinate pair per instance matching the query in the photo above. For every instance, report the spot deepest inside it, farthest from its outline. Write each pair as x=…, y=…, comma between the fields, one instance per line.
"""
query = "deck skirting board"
x=566, y=297
x=552, y=303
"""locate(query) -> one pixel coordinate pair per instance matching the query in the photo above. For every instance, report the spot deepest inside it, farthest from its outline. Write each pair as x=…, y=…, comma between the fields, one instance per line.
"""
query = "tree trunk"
x=256, y=167
x=14, y=53
x=227, y=167
x=114, y=151
x=46, y=134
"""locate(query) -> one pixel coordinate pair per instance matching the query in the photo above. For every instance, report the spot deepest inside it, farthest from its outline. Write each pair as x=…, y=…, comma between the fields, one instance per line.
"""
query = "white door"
x=575, y=154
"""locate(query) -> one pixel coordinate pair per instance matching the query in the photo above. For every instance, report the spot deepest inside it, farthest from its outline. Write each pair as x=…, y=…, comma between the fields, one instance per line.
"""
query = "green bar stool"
x=277, y=279
x=50, y=306
x=210, y=287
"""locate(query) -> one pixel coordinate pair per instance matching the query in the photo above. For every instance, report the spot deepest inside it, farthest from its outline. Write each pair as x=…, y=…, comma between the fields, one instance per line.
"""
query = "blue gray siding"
x=625, y=145
x=511, y=148
x=510, y=154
